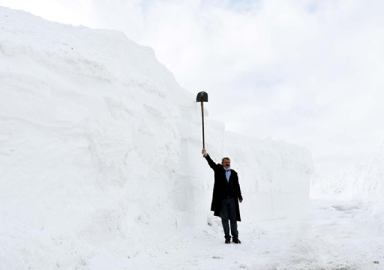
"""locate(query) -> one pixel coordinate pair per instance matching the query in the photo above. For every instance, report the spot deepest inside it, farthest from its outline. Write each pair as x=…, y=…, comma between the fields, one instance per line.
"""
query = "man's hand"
x=204, y=152
x=240, y=200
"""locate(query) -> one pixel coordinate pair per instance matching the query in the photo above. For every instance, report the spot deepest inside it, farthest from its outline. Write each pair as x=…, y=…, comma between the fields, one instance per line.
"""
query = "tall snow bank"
x=364, y=183
x=360, y=182
x=100, y=151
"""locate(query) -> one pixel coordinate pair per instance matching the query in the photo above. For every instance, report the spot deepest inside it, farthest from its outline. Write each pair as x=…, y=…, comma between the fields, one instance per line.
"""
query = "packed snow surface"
x=101, y=167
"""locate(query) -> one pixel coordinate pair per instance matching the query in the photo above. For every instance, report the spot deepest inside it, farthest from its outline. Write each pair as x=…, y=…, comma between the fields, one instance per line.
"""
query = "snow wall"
x=364, y=182
x=100, y=151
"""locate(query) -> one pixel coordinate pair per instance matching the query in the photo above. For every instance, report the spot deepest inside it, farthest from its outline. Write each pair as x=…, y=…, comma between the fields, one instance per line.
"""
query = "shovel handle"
x=202, y=117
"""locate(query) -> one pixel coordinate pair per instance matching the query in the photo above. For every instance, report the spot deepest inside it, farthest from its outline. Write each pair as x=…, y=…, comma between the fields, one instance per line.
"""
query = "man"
x=226, y=196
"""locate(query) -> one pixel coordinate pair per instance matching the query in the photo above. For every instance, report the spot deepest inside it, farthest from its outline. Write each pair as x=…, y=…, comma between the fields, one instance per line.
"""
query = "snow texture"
x=359, y=182
x=362, y=182
x=100, y=154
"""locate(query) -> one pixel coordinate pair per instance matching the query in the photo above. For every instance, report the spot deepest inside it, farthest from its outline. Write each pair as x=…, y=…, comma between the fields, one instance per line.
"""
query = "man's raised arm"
x=211, y=163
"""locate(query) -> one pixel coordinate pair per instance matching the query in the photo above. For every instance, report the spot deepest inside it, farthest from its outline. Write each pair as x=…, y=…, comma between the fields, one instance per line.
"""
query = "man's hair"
x=225, y=158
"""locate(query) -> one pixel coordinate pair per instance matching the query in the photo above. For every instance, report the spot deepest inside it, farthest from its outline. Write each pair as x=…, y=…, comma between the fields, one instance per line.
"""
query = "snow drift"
x=362, y=182
x=359, y=182
x=100, y=151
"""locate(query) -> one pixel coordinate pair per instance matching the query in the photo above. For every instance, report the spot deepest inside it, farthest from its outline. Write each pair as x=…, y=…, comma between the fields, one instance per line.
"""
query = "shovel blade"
x=202, y=96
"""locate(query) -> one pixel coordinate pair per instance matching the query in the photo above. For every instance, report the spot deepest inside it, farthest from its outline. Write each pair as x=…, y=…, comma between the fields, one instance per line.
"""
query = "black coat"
x=220, y=188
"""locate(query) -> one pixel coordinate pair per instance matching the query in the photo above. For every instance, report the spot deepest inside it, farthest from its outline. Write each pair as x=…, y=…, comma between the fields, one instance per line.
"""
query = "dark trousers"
x=228, y=213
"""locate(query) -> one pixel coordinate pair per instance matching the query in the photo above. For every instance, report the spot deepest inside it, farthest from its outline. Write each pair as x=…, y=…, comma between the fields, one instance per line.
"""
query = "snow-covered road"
x=332, y=235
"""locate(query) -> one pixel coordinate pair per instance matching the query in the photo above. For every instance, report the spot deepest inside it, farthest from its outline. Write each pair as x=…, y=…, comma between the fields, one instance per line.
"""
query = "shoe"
x=236, y=241
x=227, y=240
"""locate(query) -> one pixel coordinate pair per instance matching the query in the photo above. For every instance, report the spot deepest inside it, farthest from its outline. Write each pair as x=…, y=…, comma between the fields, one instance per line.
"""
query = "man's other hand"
x=204, y=152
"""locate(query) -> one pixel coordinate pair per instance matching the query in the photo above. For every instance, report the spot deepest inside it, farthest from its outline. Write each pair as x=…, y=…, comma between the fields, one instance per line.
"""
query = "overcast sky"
x=308, y=72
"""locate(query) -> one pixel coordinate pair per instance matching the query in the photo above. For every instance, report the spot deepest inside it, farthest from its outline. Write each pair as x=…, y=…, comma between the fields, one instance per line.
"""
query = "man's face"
x=227, y=163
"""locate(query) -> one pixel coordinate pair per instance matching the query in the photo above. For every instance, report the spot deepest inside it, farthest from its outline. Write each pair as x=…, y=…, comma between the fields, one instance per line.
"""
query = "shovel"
x=202, y=97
